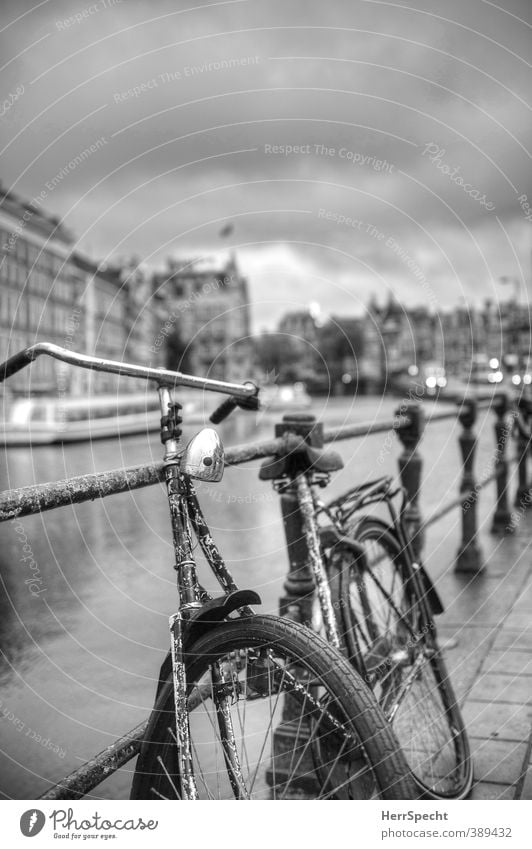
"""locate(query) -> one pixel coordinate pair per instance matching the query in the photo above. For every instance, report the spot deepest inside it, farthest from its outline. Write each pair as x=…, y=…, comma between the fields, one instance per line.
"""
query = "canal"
x=87, y=590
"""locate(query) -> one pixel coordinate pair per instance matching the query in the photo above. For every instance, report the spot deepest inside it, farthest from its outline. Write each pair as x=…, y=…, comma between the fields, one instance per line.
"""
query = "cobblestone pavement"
x=487, y=627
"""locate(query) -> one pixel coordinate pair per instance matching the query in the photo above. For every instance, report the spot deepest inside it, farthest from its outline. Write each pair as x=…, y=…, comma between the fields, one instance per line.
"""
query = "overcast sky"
x=412, y=121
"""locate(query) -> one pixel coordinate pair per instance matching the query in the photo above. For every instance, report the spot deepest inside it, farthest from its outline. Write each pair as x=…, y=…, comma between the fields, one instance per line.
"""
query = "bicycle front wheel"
x=302, y=724
x=391, y=639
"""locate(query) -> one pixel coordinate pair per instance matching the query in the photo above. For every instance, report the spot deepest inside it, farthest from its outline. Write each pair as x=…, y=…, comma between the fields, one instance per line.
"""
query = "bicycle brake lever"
x=226, y=407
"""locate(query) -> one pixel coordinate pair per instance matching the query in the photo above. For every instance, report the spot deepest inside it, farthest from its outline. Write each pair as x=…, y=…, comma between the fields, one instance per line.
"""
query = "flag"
x=226, y=230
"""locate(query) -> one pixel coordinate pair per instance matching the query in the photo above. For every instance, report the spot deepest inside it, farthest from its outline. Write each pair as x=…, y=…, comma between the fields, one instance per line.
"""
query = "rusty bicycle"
x=374, y=601
x=386, y=604
x=247, y=706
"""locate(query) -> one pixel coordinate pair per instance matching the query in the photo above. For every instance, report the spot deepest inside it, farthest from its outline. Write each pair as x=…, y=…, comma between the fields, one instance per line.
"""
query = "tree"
x=340, y=342
x=178, y=351
x=280, y=354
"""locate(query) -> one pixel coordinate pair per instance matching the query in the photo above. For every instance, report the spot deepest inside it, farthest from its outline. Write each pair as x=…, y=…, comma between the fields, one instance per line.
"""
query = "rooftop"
x=33, y=217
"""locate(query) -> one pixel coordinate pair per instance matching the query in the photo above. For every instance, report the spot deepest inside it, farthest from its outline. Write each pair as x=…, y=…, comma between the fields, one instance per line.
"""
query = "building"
x=394, y=339
x=370, y=364
x=299, y=328
x=506, y=330
x=103, y=328
x=39, y=297
x=207, y=320
x=50, y=292
x=397, y=337
x=144, y=314
x=460, y=336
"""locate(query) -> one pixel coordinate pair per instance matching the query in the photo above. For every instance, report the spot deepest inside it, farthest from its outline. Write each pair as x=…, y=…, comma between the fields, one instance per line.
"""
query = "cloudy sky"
x=358, y=146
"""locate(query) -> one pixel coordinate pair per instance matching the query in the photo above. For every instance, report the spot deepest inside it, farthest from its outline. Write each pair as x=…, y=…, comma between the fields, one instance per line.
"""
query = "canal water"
x=86, y=591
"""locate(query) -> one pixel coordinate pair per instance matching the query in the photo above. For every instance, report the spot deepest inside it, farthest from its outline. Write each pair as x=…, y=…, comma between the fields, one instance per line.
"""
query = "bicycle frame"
x=187, y=517
x=305, y=482
x=307, y=508
x=427, y=598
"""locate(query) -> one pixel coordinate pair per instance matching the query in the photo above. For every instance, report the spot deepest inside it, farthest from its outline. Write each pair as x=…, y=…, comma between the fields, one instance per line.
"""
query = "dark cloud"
x=187, y=101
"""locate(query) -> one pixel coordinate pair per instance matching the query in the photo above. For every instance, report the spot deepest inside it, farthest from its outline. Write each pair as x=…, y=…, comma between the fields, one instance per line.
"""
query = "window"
x=20, y=276
x=36, y=309
x=20, y=250
x=38, y=414
x=32, y=253
x=4, y=306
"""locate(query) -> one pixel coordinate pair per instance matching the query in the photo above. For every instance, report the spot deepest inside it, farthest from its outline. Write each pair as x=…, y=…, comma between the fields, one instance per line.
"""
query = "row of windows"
x=108, y=305
x=37, y=281
x=10, y=308
x=36, y=314
x=25, y=253
x=10, y=343
x=12, y=273
x=42, y=318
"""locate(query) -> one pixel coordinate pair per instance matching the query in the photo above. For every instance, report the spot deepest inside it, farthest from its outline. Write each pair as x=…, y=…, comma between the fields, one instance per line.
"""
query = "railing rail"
x=38, y=498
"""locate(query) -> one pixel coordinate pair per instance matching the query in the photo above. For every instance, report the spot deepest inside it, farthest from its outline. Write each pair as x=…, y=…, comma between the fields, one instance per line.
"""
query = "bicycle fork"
x=223, y=690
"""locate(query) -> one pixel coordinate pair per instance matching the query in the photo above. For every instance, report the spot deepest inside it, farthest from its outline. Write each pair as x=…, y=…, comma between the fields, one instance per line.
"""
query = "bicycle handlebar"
x=163, y=377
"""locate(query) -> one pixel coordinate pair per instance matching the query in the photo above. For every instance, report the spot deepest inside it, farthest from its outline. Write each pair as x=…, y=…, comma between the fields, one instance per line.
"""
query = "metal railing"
x=408, y=424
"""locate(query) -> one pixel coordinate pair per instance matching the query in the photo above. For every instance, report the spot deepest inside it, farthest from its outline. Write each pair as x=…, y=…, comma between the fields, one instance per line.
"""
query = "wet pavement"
x=488, y=628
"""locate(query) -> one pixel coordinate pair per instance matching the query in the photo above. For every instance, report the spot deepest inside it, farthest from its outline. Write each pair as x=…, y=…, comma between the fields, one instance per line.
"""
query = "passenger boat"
x=45, y=420
x=288, y=396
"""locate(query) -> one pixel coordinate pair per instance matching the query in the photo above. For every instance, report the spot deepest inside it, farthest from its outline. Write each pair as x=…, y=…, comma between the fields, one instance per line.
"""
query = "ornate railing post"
x=292, y=734
x=299, y=584
x=522, y=432
x=410, y=465
x=468, y=557
x=501, y=523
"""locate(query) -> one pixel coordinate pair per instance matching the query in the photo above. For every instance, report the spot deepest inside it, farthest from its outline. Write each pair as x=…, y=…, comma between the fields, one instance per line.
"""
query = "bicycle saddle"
x=303, y=457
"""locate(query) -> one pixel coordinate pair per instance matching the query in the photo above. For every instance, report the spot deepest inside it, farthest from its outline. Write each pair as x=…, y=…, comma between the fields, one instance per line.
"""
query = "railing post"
x=522, y=429
x=410, y=465
x=299, y=584
x=468, y=557
x=501, y=523
x=292, y=734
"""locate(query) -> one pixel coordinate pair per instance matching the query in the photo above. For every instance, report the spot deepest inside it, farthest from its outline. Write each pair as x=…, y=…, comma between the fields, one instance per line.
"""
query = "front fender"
x=208, y=616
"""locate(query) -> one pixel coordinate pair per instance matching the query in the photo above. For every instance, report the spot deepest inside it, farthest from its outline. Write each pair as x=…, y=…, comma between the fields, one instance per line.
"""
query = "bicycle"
x=387, y=604
x=377, y=604
x=247, y=706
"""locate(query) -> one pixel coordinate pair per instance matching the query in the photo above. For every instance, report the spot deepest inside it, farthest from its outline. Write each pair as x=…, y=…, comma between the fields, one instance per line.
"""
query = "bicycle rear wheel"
x=390, y=637
x=305, y=725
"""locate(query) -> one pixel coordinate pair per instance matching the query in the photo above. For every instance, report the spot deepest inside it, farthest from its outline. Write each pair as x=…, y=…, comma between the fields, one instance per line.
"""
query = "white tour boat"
x=45, y=420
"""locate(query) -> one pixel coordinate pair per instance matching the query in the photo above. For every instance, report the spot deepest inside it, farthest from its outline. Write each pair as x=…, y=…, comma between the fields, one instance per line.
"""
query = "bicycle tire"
x=290, y=770
x=386, y=629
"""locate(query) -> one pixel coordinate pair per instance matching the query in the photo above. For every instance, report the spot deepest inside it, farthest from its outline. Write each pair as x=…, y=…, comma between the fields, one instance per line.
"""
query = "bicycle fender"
x=429, y=591
x=215, y=611
x=204, y=619
x=330, y=537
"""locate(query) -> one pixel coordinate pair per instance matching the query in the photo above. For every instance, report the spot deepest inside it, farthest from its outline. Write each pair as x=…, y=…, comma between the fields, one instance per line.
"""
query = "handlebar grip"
x=15, y=363
x=225, y=409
